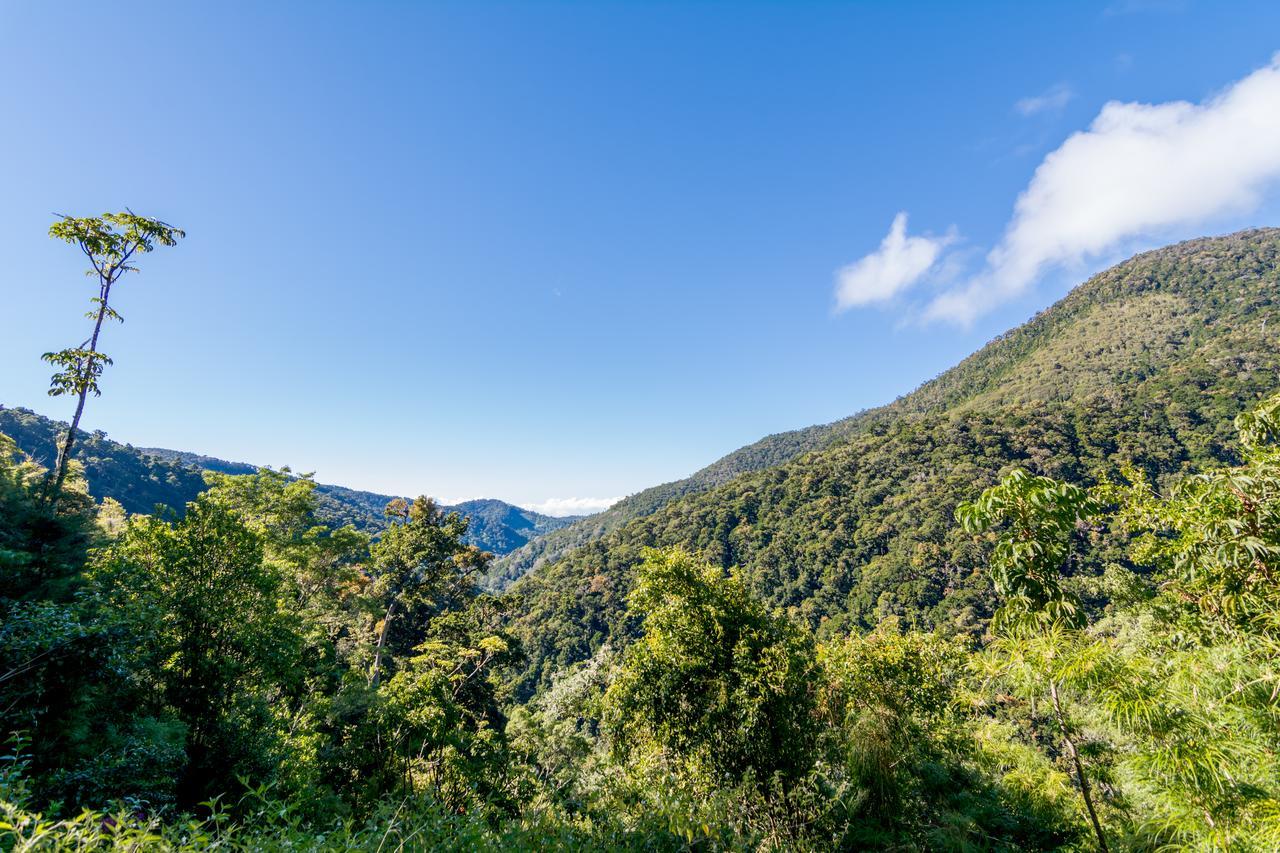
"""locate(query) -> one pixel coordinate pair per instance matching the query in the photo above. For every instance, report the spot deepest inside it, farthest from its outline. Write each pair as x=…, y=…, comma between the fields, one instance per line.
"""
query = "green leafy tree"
x=421, y=568
x=42, y=548
x=1039, y=518
x=203, y=609
x=717, y=682
x=1215, y=539
x=1056, y=665
x=885, y=696
x=1196, y=690
x=112, y=243
x=321, y=564
x=557, y=734
x=440, y=713
x=419, y=711
x=908, y=764
x=48, y=650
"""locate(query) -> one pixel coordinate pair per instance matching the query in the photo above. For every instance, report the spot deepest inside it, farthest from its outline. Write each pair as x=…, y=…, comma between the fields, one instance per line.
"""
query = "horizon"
x=560, y=511
x=488, y=298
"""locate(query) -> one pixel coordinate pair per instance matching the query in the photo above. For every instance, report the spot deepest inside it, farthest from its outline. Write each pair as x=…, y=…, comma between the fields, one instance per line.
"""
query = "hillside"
x=1146, y=362
x=142, y=477
x=1142, y=324
x=338, y=504
x=767, y=452
x=506, y=527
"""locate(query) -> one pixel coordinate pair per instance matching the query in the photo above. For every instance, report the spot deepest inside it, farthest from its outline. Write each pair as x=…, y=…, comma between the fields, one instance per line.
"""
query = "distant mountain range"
x=142, y=477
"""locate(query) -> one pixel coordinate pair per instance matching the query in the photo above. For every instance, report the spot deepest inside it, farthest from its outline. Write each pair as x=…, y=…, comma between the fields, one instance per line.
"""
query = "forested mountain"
x=1145, y=363
x=1037, y=361
x=142, y=477
x=503, y=527
x=1031, y=606
x=768, y=451
x=120, y=471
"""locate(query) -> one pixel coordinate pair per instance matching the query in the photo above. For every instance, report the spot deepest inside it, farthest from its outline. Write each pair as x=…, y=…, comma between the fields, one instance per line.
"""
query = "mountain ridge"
x=1146, y=362
x=771, y=450
x=142, y=477
x=784, y=446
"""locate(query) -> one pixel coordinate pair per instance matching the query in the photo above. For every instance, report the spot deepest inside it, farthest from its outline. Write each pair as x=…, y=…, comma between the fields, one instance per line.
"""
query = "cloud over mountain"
x=573, y=506
x=1139, y=171
x=900, y=262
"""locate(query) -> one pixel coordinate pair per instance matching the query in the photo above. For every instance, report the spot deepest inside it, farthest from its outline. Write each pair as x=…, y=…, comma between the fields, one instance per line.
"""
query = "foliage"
x=201, y=607
x=262, y=821
x=142, y=477
x=1042, y=517
x=1144, y=365
x=161, y=660
x=110, y=242
x=810, y=656
x=886, y=694
x=1180, y=685
x=717, y=680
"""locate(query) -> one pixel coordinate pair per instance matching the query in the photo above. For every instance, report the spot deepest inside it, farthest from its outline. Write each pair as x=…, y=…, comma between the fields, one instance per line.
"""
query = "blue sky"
x=561, y=252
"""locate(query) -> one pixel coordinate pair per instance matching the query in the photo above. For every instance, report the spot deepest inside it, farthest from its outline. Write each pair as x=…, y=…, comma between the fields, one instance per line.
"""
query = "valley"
x=869, y=613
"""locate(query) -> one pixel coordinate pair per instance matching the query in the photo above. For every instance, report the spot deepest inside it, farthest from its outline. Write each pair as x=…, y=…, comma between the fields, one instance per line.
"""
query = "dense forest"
x=769, y=451
x=1146, y=364
x=140, y=478
x=1030, y=606
x=1199, y=306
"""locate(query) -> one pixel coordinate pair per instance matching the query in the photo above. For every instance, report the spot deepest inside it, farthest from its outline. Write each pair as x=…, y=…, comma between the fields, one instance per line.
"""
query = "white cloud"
x=1139, y=171
x=900, y=262
x=573, y=506
x=1051, y=100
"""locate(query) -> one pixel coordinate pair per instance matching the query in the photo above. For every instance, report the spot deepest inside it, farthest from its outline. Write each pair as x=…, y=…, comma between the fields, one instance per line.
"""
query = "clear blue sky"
x=549, y=250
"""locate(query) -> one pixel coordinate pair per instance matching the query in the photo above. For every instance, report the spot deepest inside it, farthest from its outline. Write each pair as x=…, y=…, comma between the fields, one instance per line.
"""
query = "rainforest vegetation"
x=140, y=478
x=1031, y=606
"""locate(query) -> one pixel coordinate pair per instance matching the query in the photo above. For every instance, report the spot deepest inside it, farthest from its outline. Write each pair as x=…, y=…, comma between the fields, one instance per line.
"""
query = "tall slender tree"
x=111, y=242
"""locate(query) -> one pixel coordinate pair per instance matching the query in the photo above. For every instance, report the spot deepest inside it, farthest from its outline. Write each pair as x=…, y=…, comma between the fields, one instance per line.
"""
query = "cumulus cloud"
x=1139, y=171
x=900, y=262
x=1050, y=101
x=573, y=506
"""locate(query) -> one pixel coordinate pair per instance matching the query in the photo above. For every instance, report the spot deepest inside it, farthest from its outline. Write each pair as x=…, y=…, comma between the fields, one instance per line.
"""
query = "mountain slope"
x=1142, y=325
x=142, y=477
x=337, y=504
x=506, y=527
x=1147, y=362
x=767, y=452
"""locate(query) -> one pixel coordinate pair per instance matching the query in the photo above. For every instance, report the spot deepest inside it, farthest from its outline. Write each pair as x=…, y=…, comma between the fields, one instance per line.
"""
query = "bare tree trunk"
x=1085, y=791
x=382, y=639
x=64, y=452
